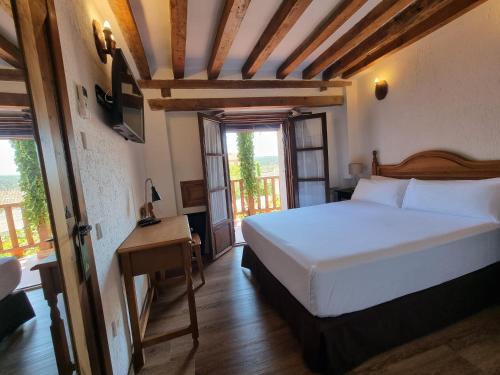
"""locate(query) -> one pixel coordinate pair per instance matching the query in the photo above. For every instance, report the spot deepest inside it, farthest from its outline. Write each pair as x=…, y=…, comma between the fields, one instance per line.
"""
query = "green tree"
x=31, y=184
x=247, y=166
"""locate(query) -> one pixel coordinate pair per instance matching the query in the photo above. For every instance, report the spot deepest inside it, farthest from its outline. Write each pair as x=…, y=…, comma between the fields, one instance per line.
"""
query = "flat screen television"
x=127, y=110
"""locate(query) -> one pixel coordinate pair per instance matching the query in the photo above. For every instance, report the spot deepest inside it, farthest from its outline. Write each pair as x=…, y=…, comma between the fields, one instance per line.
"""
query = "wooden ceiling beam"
x=178, y=24
x=213, y=103
x=15, y=75
x=377, y=17
x=322, y=32
x=444, y=16
x=238, y=84
x=5, y=5
x=8, y=99
x=128, y=26
x=229, y=24
x=417, y=12
x=283, y=20
x=10, y=53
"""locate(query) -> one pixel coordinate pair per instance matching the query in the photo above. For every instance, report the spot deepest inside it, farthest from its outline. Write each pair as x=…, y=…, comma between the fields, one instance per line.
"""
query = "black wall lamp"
x=381, y=89
x=104, y=40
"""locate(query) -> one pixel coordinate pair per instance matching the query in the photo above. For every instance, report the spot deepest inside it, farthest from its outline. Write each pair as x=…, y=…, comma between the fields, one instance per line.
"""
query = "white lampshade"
x=355, y=169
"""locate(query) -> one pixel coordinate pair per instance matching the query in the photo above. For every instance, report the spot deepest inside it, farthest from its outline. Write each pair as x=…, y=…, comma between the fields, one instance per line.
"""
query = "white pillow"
x=384, y=191
x=383, y=178
x=472, y=198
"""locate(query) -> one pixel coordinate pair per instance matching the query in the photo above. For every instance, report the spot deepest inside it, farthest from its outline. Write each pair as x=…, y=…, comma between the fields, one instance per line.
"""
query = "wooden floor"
x=29, y=349
x=240, y=334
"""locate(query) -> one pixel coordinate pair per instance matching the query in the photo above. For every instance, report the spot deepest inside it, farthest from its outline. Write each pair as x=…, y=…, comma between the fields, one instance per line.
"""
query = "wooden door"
x=308, y=160
x=217, y=184
x=38, y=36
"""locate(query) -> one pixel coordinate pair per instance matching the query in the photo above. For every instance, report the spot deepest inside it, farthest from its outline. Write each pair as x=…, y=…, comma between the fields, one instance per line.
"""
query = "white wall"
x=112, y=169
x=443, y=94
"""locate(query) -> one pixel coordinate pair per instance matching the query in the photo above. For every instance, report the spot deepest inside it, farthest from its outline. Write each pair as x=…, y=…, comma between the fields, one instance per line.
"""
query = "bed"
x=355, y=278
x=15, y=308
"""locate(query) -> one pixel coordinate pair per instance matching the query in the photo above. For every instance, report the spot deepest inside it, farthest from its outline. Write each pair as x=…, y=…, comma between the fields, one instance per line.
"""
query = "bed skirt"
x=15, y=309
x=338, y=344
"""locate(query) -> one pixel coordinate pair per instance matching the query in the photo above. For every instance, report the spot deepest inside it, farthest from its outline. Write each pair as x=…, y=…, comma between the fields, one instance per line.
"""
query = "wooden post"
x=274, y=192
x=12, y=232
x=266, y=192
x=27, y=229
x=233, y=197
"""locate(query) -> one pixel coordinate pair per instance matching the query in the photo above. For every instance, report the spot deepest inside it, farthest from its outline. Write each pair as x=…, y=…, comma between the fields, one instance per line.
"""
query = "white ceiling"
x=153, y=19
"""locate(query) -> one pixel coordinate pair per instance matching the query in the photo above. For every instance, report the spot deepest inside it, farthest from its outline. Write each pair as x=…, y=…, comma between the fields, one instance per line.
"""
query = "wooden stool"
x=196, y=246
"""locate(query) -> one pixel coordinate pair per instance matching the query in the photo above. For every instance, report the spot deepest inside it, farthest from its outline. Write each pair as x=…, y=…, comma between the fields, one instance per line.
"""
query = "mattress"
x=348, y=256
x=10, y=276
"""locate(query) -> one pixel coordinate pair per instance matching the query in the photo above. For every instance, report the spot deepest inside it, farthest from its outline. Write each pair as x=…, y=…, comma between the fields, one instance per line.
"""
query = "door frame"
x=213, y=251
x=91, y=351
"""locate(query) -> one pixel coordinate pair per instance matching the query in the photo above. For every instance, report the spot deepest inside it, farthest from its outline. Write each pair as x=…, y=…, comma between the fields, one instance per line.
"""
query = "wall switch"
x=113, y=328
x=82, y=98
x=83, y=136
x=98, y=231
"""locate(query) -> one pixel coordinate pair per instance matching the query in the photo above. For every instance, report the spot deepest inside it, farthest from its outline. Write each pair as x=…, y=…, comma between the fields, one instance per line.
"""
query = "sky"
x=265, y=143
x=7, y=164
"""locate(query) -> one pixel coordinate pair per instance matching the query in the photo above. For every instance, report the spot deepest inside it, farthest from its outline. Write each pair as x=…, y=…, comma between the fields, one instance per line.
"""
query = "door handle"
x=84, y=229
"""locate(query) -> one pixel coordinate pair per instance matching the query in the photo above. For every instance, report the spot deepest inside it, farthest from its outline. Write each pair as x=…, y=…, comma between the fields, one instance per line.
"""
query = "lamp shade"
x=355, y=169
x=154, y=195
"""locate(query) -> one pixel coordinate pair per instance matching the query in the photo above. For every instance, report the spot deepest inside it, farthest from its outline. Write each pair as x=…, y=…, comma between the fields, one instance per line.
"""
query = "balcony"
x=19, y=240
x=267, y=201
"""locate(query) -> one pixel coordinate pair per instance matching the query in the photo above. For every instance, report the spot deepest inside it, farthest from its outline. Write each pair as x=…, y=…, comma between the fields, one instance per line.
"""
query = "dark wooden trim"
x=8, y=99
x=433, y=23
x=224, y=84
x=438, y=165
x=283, y=20
x=229, y=24
x=377, y=17
x=275, y=101
x=10, y=53
x=293, y=152
x=14, y=75
x=309, y=149
x=178, y=24
x=212, y=227
x=125, y=17
x=312, y=179
x=193, y=193
x=75, y=184
x=417, y=12
x=215, y=190
x=337, y=17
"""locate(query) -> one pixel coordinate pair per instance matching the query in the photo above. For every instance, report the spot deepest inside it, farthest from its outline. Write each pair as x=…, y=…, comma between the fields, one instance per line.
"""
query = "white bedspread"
x=10, y=276
x=342, y=257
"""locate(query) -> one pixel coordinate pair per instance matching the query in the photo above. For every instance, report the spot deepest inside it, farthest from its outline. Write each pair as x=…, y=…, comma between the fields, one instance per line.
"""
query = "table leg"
x=128, y=278
x=57, y=331
x=190, y=291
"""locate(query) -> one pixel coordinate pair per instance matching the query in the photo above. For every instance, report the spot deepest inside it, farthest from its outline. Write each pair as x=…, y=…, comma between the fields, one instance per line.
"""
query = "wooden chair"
x=196, y=246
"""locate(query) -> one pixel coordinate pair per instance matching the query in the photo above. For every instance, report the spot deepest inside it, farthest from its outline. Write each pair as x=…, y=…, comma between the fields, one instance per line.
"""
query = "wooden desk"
x=148, y=250
x=50, y=277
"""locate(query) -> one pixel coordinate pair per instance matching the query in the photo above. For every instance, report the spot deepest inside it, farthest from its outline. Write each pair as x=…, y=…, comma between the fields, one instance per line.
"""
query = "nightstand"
x=342, y=194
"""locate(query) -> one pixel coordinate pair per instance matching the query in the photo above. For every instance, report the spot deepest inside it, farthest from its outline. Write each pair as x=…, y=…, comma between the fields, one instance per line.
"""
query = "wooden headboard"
x=438, y=165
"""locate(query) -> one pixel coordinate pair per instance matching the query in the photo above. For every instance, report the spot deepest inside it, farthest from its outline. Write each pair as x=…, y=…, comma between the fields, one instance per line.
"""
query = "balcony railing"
x=12, y=243
x=268, y=199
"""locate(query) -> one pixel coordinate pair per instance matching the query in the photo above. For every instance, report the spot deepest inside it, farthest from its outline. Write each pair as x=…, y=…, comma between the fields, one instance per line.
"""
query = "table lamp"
x=147, y=214
x=355, y=170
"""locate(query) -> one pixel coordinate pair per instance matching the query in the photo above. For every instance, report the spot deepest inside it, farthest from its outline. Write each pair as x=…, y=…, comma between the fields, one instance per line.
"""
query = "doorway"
x=256, y=159
x=25, y=230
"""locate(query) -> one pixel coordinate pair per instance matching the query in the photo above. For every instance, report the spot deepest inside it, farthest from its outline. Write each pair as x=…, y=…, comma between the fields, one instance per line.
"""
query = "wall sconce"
x=104, y=40
x=381, y=89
